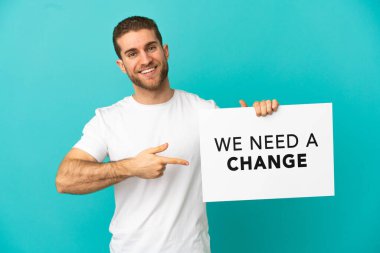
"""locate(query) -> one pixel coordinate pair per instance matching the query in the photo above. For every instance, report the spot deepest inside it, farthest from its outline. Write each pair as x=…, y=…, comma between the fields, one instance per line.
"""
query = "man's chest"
x=133, y=133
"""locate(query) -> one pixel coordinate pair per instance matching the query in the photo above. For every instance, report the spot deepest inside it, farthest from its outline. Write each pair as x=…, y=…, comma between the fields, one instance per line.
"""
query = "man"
x=152, y=141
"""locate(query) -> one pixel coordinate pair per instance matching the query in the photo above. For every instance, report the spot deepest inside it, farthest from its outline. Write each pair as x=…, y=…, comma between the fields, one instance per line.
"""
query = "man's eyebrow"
x=151, y=43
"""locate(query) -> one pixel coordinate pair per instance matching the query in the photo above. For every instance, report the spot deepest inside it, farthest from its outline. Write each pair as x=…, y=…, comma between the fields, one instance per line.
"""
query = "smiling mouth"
x=147, y=71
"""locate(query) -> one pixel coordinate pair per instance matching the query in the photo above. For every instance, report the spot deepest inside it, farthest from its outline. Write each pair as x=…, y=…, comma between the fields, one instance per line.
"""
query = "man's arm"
x=80, y=173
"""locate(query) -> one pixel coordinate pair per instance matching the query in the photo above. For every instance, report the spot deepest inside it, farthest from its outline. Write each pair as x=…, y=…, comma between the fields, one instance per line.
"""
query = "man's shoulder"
x=196, y=100
x=114, y=108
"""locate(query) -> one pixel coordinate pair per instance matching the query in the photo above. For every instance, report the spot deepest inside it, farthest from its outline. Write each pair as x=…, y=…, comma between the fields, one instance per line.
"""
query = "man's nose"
x=145, y=58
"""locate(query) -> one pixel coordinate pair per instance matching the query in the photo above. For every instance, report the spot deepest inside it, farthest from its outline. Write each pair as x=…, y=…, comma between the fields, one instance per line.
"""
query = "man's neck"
x=151, y=97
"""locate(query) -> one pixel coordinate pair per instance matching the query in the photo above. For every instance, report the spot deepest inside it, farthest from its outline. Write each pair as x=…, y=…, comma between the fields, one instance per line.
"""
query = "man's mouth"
x=148, y=70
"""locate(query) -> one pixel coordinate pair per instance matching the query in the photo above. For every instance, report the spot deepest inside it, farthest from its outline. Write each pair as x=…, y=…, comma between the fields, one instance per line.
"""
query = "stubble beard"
x=149, y=86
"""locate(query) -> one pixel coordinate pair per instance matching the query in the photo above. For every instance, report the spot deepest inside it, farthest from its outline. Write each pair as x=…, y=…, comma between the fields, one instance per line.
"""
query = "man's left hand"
x=264, y=107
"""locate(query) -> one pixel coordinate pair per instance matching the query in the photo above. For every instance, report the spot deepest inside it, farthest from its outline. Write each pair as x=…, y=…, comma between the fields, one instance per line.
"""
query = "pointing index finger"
x=172, y=160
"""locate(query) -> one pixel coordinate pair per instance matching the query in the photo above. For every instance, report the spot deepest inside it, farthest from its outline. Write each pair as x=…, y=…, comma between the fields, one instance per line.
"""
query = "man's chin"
x=150, y=87
x=153, y=84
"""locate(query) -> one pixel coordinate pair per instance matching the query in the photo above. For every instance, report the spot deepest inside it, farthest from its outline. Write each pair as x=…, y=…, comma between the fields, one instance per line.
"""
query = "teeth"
x=147, y=71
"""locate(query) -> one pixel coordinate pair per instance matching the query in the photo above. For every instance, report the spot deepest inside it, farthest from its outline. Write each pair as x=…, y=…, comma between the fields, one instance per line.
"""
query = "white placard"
x=284, y=155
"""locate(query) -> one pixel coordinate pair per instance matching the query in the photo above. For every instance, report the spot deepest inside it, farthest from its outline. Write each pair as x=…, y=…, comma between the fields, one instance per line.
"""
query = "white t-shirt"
x=167, y=214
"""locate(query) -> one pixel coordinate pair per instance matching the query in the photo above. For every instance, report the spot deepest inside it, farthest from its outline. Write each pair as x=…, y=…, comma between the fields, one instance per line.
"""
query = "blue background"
x=57, y=65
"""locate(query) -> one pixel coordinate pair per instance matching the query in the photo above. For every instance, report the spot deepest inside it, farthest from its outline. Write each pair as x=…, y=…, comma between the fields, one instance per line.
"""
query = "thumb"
x=242, y=103
x=157, y=149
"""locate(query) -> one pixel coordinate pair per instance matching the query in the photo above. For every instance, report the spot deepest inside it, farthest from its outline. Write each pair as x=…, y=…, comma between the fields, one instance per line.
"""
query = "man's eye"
x=151, y=48
x=131, y=55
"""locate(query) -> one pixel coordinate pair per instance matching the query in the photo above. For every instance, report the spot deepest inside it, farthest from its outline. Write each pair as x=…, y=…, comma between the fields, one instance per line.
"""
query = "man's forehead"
x=136, y=39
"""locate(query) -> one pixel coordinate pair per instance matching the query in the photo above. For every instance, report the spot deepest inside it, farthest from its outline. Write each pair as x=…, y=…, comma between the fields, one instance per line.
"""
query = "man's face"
x=143, y=59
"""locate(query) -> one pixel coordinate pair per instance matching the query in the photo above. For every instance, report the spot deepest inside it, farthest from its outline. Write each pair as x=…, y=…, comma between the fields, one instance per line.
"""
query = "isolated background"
x=57, y=65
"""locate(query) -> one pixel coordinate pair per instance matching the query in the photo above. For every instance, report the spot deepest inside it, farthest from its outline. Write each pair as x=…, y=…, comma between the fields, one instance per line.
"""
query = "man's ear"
x=121, y=66
x=166, y=51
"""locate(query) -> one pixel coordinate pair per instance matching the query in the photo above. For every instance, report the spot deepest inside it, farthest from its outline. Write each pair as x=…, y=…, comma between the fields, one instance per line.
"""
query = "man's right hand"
x=147, y=164
x=80, y=173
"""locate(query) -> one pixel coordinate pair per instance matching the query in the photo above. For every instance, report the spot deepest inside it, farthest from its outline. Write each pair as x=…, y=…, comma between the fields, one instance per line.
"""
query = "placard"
x=284, y=155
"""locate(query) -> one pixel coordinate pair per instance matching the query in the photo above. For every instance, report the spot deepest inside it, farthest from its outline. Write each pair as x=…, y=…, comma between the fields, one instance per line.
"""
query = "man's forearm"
x=80, y=177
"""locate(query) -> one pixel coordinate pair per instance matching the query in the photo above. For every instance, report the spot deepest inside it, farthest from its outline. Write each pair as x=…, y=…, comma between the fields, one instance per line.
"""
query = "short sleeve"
x=209, y=104
x=93, y=138
x=213, y=104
